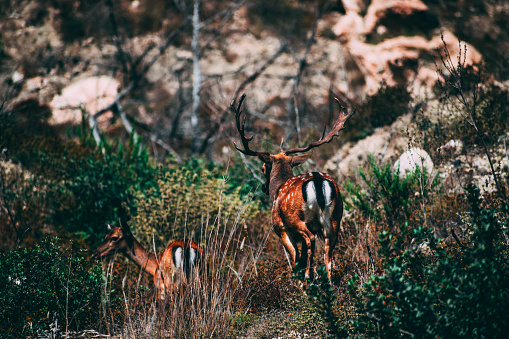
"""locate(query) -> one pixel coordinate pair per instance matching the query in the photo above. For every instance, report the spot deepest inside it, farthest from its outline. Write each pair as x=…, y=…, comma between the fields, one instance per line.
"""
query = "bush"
x=188, y=199
x=50, y=284
x=95, y=188
x=425, y=293
x=85, y=185
x=389, y=198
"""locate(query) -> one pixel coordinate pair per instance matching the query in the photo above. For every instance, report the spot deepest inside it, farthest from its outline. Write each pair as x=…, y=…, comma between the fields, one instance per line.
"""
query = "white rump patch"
x=327, y=192
x=192, y=257
x=311, y=194
x=311, y=208
x=179, y=257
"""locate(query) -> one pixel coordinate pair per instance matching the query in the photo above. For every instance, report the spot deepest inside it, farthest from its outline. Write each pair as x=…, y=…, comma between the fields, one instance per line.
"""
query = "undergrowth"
x=49, y=289
x=426, y=293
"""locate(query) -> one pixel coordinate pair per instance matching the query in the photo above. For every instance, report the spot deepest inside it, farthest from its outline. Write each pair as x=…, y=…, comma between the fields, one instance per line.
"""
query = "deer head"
x=120, y=239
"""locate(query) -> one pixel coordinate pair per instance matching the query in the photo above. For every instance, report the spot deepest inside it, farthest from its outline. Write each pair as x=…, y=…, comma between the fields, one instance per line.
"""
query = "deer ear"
x=126, y=229
x=300, y=159
x=108, y=227
x=266, y=158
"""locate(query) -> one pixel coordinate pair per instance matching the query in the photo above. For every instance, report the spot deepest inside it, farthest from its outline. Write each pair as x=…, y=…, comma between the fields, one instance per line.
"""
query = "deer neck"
x=142, y=258
x=279, y=174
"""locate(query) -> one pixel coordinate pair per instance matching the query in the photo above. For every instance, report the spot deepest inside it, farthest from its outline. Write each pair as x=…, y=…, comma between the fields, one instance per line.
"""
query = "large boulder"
x=91, y=94
x=413, y=159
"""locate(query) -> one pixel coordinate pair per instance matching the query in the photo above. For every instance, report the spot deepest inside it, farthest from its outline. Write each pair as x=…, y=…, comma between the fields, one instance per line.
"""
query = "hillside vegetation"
x=421, y=254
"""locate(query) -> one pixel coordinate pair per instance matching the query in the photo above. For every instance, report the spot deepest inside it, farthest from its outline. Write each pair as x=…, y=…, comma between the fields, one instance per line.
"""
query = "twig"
x=249, y=167
x=166, y=147
x=382, y=154
x=180, y=108
x=454, y=82
x=125, y=121
x=197, y=77
x=282, y=49
x=95, y=129
x=136, y=78
x=267, y=118
x=457, y=239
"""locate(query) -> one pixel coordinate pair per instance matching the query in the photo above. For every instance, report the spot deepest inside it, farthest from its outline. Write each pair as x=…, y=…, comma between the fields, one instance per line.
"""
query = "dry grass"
x=202, y=307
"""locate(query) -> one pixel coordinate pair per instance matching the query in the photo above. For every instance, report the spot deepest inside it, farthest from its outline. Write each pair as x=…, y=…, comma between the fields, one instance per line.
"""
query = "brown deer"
x=303, y=206
x=177, y=262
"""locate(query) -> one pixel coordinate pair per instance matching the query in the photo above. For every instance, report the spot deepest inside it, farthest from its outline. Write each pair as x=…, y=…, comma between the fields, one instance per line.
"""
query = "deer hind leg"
x=330, y=243
x=289, y=247
x=303, y=260
x=159, y=286
x=309, y=242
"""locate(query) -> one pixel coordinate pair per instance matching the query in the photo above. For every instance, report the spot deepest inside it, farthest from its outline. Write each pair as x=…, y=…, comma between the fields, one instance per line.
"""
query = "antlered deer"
x=178, y=260
x=305, y=205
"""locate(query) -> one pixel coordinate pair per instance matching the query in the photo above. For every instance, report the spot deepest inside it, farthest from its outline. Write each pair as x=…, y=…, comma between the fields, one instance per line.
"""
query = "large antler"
x=240, y=127
x=339, y=124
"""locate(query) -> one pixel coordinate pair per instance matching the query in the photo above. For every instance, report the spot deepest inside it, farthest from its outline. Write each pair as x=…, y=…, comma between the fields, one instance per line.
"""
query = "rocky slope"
x=358, y=47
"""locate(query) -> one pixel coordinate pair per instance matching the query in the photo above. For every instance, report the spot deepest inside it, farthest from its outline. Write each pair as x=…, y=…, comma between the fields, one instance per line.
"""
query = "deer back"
x=311, y=197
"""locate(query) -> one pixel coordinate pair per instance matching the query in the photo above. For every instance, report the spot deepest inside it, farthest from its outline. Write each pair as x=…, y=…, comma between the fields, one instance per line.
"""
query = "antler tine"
x=241, y=128
x=338, y=125
x=323, y=133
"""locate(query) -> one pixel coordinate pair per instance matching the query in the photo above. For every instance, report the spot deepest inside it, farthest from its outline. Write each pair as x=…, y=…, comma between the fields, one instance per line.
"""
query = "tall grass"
x=203, y=306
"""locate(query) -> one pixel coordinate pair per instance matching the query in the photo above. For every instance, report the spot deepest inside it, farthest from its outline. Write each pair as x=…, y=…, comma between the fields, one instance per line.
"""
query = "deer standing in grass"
x=177, y=262
x=305, y=205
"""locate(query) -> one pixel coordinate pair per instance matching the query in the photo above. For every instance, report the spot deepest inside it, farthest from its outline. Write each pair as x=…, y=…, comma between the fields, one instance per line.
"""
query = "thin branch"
x=249, y=166
x=180, y=108
x=130, y=129
x=164, y=46
x=266, y=118
x=454, y=82
x=135, y=78
x=125, y=121
x=166, y=147
x=197, y=77
x=92, y=121
x=282, y=49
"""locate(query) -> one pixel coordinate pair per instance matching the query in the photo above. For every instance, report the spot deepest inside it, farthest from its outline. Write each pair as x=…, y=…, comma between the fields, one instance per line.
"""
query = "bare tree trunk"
x=197, y=77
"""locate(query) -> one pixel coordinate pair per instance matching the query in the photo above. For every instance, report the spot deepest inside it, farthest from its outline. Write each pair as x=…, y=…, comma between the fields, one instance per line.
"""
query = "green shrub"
x=48, y=284
x=187, y=199
x=96, y=188
x=425, y=293
x=387, y=197
x=321, y=293
x=85, y=184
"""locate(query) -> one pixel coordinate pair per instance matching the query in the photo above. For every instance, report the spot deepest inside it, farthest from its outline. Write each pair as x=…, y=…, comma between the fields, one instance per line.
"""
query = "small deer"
x=177, y=261
x=305, y=205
